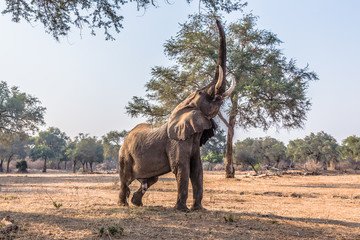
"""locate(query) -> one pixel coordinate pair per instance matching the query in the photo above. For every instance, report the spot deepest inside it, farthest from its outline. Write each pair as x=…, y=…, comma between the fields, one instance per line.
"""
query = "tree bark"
x=65, y=165
x=229, y=168
x=74, y=167
x=1, y=165
x=91, y=168
x=8, y=164
x=44, y=167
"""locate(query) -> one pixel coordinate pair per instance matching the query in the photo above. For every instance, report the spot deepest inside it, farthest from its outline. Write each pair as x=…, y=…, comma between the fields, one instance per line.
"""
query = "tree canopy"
x=320, y=147
x=59, y=17
x=350, y=148
x=48, y=144
x=20, y=112
x=89, y=150
x=112, y=142
x=260, y=152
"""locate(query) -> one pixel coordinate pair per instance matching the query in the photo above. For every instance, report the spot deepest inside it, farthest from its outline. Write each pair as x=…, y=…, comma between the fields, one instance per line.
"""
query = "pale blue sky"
x=85, y=82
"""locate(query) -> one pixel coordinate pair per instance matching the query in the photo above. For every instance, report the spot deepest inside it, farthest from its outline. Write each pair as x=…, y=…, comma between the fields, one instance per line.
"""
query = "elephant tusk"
x=220, y=80
x=231, y=89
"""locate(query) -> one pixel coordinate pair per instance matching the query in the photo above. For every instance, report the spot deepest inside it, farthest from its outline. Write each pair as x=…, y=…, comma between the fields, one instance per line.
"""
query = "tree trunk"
x=91, y=168
x=58, y=166
x=65, y=165
x=8, y=164
x=229, y=169
x=1, y=165
x=83, y=163
x=74, y=167
x=44, y=167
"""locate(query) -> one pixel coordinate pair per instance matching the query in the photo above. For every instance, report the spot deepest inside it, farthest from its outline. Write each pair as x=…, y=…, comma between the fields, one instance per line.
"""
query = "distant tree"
x=270, y=89
x=350, y=149
x=274, y=151
x=89, y=150
x=67, y=152
x=214, y=149
x=320, y=147
x=14, y=146
x=58, y=17
x=20, y=112
x=112, y=142
x=48, y=144
x=248, y=152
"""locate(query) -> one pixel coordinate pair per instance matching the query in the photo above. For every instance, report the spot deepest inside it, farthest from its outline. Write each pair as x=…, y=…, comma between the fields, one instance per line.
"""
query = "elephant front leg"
x=196, y=176
x=182, y=179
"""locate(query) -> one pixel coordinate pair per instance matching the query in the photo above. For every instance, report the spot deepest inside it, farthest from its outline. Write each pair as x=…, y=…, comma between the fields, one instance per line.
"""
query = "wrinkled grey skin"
x=149, y=152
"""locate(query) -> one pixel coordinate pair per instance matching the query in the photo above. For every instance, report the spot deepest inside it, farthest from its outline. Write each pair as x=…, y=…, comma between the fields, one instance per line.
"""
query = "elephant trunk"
x=221, y=62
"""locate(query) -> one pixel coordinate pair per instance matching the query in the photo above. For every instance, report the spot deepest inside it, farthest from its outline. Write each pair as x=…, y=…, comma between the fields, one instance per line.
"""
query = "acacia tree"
x=58, y=17
x=67, y=153
x=12, y=147
x=270, y=89
x=320, y=147
x=350, y=148
x=89, y=150
x=48, y=144
x=248, y=152
x=265, y=152
x=112, y=142
x=20, y=113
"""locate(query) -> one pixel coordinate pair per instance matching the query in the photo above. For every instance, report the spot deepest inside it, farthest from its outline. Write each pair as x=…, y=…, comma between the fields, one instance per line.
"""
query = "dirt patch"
x=76, y=206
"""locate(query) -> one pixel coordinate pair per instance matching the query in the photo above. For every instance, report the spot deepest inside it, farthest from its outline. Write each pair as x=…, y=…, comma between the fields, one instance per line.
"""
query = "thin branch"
x=226, y=123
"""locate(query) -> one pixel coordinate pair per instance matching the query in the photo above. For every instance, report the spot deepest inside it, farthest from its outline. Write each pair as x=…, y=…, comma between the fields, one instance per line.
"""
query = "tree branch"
x=226, y=123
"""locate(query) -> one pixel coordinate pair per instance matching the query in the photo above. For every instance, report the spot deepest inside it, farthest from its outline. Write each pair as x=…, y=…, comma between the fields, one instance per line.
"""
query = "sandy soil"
x=286, y=207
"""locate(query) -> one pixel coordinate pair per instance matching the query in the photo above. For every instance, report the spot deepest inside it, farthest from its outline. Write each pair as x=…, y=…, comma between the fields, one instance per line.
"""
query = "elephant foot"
x=122, y=204
x=136, y=199
x=181, y=207
x=198, y=207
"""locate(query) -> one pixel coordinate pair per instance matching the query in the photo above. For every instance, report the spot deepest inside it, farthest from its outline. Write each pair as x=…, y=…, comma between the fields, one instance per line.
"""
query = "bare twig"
x=108, y=234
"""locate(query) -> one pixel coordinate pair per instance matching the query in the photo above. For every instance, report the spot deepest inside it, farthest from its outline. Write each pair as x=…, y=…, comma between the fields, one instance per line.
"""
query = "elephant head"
x=195, y=113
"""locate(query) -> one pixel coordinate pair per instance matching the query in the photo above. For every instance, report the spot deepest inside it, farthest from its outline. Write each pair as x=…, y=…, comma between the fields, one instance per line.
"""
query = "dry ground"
x=287, y=207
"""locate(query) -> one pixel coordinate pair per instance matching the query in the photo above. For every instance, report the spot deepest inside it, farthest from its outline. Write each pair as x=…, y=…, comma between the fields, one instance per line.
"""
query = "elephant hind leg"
x=126, y=178
x=124, y=194
x=145, y=184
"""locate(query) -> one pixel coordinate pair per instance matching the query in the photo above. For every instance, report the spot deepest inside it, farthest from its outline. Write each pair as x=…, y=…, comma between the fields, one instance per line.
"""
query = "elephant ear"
x=186, y=122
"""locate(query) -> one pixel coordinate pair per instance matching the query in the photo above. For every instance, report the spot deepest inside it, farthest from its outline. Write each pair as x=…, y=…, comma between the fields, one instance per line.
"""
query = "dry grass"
x=287, y=207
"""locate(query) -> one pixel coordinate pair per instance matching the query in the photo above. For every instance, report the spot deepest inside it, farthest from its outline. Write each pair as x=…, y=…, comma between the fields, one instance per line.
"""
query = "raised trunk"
x=44, y=167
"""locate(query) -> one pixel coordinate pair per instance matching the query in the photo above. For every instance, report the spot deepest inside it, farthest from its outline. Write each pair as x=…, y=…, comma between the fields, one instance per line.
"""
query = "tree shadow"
x=159, y=222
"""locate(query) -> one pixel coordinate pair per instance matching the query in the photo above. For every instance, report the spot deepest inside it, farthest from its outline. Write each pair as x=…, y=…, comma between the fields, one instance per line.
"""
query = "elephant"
x=149, y=152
